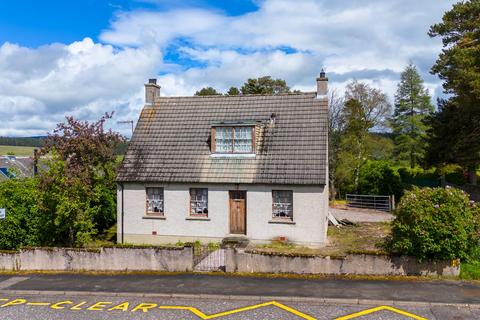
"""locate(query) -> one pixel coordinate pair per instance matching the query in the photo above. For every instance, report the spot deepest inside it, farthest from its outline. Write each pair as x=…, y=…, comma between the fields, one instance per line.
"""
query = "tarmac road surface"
x=202, y=296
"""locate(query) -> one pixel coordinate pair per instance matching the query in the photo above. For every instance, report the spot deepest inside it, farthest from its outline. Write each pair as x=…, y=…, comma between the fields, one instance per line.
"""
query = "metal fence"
x=208, y=259
x=383, y=203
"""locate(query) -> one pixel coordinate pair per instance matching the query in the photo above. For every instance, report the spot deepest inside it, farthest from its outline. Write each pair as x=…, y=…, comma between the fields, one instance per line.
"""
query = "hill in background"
x=22, y=141
x=24, y=146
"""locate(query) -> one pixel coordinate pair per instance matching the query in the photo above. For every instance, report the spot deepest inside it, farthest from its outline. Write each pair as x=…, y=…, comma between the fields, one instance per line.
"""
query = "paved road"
x=92, y=307
x=194, y=296
x=415, y=291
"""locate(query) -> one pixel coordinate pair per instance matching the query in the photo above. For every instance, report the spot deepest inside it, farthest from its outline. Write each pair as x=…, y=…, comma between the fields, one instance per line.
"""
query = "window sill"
x=154, y=217
x=282, y=221
x=233, y=155
x=192, y=218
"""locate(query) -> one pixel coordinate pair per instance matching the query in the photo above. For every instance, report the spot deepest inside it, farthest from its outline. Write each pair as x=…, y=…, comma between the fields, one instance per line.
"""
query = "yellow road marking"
x=59, y=305
x=122, y=306
x=203, y=316
x=38, y=303
x=15, y=302
x=99, y=306
x=145, y=307
x=372, y=310
x=77, y=306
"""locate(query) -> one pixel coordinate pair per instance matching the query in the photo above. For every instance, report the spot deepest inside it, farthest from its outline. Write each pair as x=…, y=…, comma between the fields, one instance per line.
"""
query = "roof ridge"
x=242, y=95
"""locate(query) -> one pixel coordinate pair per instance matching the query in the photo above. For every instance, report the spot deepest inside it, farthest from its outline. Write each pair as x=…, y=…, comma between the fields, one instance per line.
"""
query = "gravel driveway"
x=361, y=215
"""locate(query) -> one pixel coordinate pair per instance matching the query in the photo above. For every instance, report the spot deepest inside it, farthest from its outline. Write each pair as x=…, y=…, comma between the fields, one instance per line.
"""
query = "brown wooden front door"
x=238, y=212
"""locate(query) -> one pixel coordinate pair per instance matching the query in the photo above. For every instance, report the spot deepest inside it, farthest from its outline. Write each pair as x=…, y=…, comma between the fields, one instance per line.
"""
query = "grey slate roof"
x=171, y=142
x=20, y=166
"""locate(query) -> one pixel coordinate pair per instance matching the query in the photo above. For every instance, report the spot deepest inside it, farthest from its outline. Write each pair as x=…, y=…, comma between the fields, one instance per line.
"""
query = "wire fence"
x=363, y=201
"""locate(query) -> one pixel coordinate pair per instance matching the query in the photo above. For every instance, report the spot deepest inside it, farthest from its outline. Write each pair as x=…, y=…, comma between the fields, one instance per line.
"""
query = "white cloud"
x=345, y=36
x=368, y=40
x=84, y=79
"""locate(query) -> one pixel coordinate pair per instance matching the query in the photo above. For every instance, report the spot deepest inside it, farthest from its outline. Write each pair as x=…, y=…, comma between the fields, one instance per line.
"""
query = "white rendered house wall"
x=310, y=209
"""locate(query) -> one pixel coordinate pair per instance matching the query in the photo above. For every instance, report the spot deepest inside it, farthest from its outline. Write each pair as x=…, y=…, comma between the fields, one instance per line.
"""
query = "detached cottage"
x=206, y=168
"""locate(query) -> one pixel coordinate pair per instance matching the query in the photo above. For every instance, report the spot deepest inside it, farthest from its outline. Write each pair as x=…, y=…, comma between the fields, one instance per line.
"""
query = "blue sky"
x=48, y=21
x=84, y=58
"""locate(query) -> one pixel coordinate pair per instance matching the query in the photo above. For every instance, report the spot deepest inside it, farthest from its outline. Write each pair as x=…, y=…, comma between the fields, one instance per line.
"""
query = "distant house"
x=13, y=166
x=206, y=168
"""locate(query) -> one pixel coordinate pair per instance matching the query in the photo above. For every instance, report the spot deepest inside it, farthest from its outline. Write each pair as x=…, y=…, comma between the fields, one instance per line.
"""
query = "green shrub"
x=419, y=177
x=437, y=224
x=453, y=174
x=22, y=225
x=379, y=177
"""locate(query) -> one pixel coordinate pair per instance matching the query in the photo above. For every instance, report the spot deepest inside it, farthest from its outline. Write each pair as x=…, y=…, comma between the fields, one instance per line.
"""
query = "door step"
x=235, y=241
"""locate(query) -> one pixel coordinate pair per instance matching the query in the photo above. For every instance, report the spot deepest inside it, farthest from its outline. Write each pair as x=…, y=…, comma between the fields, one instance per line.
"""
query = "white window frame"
x=196, y=203
x=234, y=137
x=282, y=205
x=160, y=198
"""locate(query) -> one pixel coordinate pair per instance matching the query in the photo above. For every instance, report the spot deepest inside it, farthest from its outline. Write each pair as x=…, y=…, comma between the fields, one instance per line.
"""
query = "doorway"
x=238, y=211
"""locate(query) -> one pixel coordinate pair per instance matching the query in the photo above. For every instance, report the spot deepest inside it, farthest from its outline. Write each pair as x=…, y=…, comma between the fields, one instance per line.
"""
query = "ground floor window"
x=282, y=206
x=199, y=202
x=155, y=201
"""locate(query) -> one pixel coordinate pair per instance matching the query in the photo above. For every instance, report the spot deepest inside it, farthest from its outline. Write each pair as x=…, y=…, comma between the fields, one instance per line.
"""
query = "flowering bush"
x=437, y=224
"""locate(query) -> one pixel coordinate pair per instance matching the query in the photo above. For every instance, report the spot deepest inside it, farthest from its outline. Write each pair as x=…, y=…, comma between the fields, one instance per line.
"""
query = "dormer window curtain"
x=233, y=139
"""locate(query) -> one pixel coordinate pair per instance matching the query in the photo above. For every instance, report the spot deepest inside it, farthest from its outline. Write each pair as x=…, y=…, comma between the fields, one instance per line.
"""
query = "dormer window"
x=233, y=139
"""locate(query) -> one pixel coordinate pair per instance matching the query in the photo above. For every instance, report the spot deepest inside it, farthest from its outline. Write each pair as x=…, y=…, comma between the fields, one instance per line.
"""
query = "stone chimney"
x=152, y=91
x=322, y=85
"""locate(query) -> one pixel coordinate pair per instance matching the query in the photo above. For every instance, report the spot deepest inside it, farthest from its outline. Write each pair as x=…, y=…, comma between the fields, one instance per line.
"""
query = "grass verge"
x=470, y=271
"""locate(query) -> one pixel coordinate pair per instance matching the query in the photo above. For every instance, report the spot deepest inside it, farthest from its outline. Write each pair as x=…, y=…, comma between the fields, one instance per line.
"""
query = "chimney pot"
x=322, y=73
x=152, y=91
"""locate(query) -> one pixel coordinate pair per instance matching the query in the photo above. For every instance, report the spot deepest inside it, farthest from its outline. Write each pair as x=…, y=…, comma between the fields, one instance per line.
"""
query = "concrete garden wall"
x=105, y=259
x=182, y=259
x=356, y=264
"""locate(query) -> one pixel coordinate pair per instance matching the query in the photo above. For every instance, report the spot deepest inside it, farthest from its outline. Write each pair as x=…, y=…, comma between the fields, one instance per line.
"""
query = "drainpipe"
x=123, y=211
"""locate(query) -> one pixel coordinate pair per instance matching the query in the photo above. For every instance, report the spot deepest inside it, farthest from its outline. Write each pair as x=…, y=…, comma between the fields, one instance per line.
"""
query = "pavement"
x=206, y=296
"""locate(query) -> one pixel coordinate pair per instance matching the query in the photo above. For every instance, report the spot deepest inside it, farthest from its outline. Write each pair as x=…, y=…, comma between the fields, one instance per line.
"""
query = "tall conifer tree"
x=455, y=133
x=412, y=105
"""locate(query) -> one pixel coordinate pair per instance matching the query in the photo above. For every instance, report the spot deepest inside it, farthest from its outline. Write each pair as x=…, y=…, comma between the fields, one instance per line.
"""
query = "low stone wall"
x=104, y=259
x=354, y=264
x=181, y=259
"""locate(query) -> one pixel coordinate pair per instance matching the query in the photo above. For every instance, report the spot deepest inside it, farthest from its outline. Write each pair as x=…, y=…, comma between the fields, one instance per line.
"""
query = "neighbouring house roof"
x=171, y=142
x=15, y=166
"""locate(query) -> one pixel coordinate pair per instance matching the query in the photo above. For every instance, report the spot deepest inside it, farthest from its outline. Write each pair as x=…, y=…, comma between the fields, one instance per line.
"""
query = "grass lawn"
x=16, y=150
x=470, y=271
x=365, y=237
